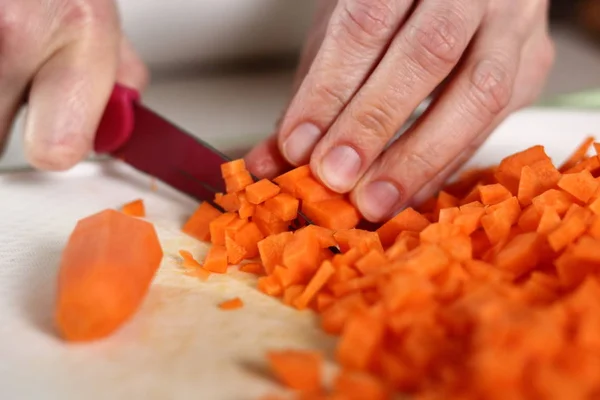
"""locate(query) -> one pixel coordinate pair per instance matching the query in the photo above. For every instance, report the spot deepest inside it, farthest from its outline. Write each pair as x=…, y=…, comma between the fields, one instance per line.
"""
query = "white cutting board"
x=179, y=345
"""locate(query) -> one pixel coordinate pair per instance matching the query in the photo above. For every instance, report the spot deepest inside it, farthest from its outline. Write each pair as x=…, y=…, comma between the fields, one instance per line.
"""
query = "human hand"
x=368, y=64
x=63, y=57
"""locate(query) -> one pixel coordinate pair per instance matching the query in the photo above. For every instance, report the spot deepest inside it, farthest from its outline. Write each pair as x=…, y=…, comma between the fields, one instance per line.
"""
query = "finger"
x=132, y=71
x=426, y=50
x=265, y=160
x=356, y=38
x=480, y=92
x=70, y=91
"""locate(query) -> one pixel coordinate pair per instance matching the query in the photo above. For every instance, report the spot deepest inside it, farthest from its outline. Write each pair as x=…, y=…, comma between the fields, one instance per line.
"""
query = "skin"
x=368, y=64
x=365, y=67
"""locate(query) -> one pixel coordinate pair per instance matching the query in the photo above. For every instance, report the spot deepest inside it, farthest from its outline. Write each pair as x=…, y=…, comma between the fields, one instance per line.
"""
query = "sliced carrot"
x=318, y=281
x=248, y=237
x=334, y=318
x=349, y=257
x=493, y=194
x=529, y=219
x=509, y=170
x=289, y=181
x=445, y=200
x=324, y=300
x=261, y=191
x=271, y=250
x=268, y=222
x=360, y=340
x=134, y=208
x=103, y=276
x=246, y=209
x=521, y=254
x=548, y=222
x=218, y=227
x=362, y=240
x=332, y=213
x=238, y=181
x=235, y=252
x=252, y=268
x=569, y=229
x=291, y=293
x=270, y=285
x=580, y=185
x=310, y=190
x=233, y=167
x=371, y=262
x=591, y=164
x=323, y=235
x=216, y=259
x=556, y=199
x=232, y=304
x=188, y=260
x=406, y=220
x=297, y=369
x=284, y=206
x=301, y=253
x=448, y=215
x=229, y=202
x=578, y=155
x=352, y=385
x=198, y=224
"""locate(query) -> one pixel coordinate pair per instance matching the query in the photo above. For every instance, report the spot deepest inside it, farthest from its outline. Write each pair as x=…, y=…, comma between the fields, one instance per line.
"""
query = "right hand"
x=63, y=57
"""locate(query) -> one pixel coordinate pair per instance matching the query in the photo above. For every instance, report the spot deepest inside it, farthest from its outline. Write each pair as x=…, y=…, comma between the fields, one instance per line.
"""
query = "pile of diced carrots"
x=487, y=291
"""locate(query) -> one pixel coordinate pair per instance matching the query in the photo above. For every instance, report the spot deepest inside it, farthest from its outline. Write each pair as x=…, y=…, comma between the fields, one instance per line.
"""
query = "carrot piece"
x=268, y=223
x=444, y=200
x=548, y=222
x=578, y=155
x=348, y=258
x=310, y=190
x=218, y=227
x=248, y=237
x=595, y=206
x=472, y=196
x=509, y=170
x=134, y=208
x=232, y=304
x=519, y=255
x=591, y=164
x=343, y=273
x=557, y=199
x=469, y=219
x=333, y=213
x=252, y=268
x=371, y=262
x=271, y=250
x=529, y=186
x=353, y=385
x=324, y=300
x=284, y=206
x=581, y=185
x=493, y=194
x=334, y=318
x=301, y=253
x=103, y=276
x=362, y=240
x=246, y=209
x=291, y=293
x=356, y=284
x=199, y=273
x=448, y=215
x=198, y=224
x=238, y=182
x=529, y=219
x=259, y=192
x=406, y=220
x=235, y=252
x=230, y=202
x=288, y=181
x=270, y=285
x=286, y=276
x=188, y=260
x=318, y=281
x=233, y=167
x=297, y=369
x=360, y=339
x=323, y=235
x=569, y=230
x=216, y=259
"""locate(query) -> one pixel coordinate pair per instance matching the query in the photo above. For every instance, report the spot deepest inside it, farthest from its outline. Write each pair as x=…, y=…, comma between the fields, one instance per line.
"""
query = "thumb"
x=132, y=71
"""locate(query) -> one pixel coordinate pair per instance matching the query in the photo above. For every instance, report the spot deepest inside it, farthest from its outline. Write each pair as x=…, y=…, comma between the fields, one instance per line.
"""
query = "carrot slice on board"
x=259, y=192
x=134, y=208
x=198, y=225
x=188, y=260
x=297, y=369
x=232, y=304
x=252, y=268
x=103, y=276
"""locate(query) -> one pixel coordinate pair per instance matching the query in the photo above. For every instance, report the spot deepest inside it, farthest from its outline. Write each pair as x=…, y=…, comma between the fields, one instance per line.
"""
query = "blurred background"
x=222, y=69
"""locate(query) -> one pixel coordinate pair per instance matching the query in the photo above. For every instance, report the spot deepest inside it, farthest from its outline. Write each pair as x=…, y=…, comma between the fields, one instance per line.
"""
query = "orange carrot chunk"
x=233, y=167
x=406, y=220
x=103, y=276
x=218, y=227
x=232, y=304
x=198, y=225
x=288, y=182
x=297, y=369
x=318, y=281
x=134, y=208
x=284, y=206
x=310, y=190
x=252, y=268
x=493, y=194
x=246, y=209
x=581, y=185
x=271, y=250
x=229, y=202
x=333, y=214
x=188, y=260
x=238, y=181
x=352, y=385
x=579, y=154
x=216, y=259
x=259, y=192
x=248, y=237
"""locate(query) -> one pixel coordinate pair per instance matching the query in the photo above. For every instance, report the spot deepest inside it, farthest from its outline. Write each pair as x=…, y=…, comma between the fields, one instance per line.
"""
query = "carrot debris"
x=252, y=268
x=103, y=275
x=232, y=304
x=188, y=260
x=297, y=369
x=134, y=208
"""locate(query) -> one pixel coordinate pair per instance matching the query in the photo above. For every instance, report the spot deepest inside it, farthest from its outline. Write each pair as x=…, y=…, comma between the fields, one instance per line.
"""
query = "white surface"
x=179, y=345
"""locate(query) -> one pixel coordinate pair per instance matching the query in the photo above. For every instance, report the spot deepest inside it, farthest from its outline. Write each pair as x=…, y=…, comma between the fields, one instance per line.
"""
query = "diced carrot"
x=284, y=206
x=371, y=262
x=238, y=181
x=198, y=224
x=557, y=199
x=103, y=276
x=233, y=167
x=591, y=164
x=252, y=268
x=271, y=250
x=334, y=318
x=310, y=190
x=232, y=304
x=362, y=240
x=270, y=285
x=580, y=185
x=291, y=293
x=246, y=209
x=301, y=253
x=493, y=194
x=448, y=215
x=445, y=200
x=134, y=208
x=268, y=223
x=218, y=227
x=509, y=170
x=406, y=220
x=248, y=237
x=333, y=213
x=287, y=276
x=521, y=254
x=347, y=258
x=359, y=342
x=323, y=235
x=529, y=186
x=569, y=229
x=318, y=281
x=578, y=155
x=289, y=181
x=216, y=259
x=324, y=300
x=594, y=206
x=261, y=191
x=229, y=202
x=235, y=252
x=548, y=222
x=352, y=385
x=529, y=219
x=297, y=369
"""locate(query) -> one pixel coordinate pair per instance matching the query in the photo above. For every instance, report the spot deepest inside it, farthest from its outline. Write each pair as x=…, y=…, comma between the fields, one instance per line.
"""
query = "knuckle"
x=366, y=20
x=440, y=40
x=422, y=161
x=375, y=123
x=78, y=14
x=491, y=86
x=13, y=32
x=330, y=96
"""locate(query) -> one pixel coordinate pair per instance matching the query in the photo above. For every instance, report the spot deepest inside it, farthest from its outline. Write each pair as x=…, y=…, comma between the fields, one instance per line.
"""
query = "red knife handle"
x=117, y=122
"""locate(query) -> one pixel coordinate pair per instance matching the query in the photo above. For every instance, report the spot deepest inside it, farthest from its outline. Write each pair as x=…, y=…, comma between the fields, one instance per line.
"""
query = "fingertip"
x=56, y=156
x=265, y=160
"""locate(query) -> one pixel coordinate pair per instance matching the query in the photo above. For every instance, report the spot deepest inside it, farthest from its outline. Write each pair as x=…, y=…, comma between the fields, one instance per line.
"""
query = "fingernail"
x=378, y=199
x=339, y=168
x=300, y=143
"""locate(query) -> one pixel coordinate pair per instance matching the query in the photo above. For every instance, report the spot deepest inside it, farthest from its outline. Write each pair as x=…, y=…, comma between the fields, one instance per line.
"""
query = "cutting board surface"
x=179, y=345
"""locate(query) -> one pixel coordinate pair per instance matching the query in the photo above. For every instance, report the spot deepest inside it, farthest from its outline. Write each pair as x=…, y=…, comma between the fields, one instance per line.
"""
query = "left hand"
x=369, y=63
